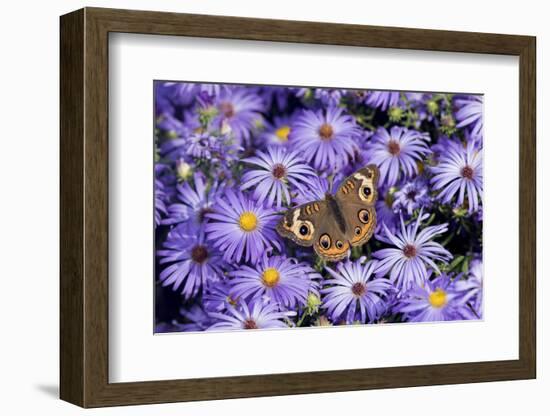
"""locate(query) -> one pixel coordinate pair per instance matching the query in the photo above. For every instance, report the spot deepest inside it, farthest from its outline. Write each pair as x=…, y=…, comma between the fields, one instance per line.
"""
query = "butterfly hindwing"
x=331, y=243
x=361, y=222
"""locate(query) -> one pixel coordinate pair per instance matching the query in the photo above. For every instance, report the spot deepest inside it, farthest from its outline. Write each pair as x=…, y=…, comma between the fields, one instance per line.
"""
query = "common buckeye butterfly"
x=338, y=222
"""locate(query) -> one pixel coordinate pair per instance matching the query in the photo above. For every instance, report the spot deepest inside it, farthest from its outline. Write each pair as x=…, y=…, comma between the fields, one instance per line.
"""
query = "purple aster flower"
x=241, y=228
x=216, y=297
x=417, y=97
x=460, y=171
x=165, y=174
x=192, y=261
x=426, y=106
x=192, y=116
x=362, y=154
x=382, y=99
x=163, y=102
x=278, y=171
x=354, y=294
x=212, y=89
x=223, y=168
x=274, y=279
x=318, y=187
x=305, y=94
x=478, y=216
x=194, y=201
x=413, y=195
x=315, y=191
x=325, y=137
x=176, y=147
x=191, y=140
x=472, y=286
x=172, y=126
x=435, y=300
x=469, y=137
x=166, y=327
x=328, y=96
x=442, y=146
x=277, y=133
x=239, y=111
x=197, y=145
x=385, y=215
x=321, y=97
x=184, y=93
x=275, y=97
x=180, y=135
x=397, y=151
x=414, y=251
x=198, y=319
x=255, y=315
x=216, y=154
x=160, y=206
x=470, y=113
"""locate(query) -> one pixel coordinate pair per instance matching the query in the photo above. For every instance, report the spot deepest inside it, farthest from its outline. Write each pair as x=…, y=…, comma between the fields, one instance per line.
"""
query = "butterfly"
x=338, y=222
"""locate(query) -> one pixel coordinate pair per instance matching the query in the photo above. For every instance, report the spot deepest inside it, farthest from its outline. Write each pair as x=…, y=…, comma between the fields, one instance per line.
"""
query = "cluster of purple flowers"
x=231, y=159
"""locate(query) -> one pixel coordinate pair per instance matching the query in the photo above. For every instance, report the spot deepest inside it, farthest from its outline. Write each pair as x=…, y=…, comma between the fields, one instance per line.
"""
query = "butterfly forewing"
x=356, y=197
x=301, y=224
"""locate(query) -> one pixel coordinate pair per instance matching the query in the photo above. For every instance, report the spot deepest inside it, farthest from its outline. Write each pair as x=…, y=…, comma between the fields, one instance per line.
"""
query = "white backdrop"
x=29, y=224
x=136, y=355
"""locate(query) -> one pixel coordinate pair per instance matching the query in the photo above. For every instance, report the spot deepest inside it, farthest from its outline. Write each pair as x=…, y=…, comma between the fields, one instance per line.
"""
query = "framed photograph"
x=262, y=207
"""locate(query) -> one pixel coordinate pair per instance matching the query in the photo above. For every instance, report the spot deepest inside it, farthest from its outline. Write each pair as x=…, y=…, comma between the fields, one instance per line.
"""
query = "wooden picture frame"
x=84, y=207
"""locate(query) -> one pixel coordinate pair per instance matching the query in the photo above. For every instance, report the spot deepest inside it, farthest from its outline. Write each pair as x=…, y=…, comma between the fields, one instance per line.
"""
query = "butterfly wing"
x=331, y=244
x=301, y=224
x=313, y=224
x=356, y=197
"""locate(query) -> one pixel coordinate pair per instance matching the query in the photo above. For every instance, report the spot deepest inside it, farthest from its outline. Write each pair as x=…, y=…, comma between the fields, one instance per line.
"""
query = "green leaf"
x=465, y=265
x=456, y=262
x=430, y=220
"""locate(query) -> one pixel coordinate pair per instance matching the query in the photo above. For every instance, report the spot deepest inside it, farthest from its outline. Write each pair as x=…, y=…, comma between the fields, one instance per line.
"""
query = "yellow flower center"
x=282, y=133
x=438, y=298
x=270, y=276
x=248, y=221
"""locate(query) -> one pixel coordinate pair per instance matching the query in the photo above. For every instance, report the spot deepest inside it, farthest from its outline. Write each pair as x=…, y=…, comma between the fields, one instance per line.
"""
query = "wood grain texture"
x=71, y=100
x=84, y=207
x=527, y=207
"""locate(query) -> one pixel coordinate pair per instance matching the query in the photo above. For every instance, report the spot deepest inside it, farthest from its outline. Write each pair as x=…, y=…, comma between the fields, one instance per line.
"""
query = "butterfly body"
x=338, y=222
x=336, y=212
